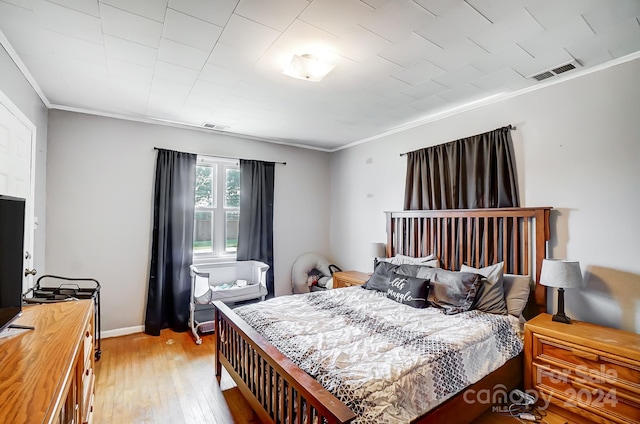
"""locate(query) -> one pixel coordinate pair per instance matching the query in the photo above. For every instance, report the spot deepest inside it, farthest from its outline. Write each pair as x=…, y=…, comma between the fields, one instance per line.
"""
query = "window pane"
x=203, y=232
x=205, y=187
x=231, y=231
x=232, y=188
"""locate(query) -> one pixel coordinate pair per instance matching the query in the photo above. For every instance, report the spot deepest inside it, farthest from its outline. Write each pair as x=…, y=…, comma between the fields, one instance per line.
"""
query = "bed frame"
x=280, y=392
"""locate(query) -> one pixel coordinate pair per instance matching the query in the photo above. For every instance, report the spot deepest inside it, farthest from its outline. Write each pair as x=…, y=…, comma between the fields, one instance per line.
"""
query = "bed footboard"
x=276, y=388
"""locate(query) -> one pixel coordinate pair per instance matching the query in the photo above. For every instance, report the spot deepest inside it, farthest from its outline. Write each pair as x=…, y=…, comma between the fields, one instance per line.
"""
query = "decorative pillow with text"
x=411, y=291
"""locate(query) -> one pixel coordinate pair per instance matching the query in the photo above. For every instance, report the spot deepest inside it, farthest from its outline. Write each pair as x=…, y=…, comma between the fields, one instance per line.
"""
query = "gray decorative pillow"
x=516, y=293
x=411, y=270
x=490, y=297
x=409, y=291
x=381, y=277
x=383, y=274
x=454, y=292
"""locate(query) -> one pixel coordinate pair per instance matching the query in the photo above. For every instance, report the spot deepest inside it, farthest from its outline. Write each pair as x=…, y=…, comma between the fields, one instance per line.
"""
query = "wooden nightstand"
x=583, y=368
x=349, y=278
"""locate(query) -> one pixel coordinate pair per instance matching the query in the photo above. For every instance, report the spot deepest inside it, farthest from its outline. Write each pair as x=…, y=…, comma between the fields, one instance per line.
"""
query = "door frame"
x=27, y=282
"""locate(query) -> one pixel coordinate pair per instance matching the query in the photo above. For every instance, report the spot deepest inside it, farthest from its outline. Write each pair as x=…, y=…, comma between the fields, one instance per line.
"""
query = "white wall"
x=576, y=145
x=100, y=191
x=15, y=86
x=577, y=149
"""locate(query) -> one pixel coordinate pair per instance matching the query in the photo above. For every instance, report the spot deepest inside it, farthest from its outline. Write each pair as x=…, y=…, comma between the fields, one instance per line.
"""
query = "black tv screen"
x=12, y=214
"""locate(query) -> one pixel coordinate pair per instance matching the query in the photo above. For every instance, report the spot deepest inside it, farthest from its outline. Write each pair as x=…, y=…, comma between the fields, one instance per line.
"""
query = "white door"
x=17, y=170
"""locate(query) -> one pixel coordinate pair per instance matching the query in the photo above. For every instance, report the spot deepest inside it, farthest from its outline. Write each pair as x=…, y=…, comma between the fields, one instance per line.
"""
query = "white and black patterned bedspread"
x=390, y=363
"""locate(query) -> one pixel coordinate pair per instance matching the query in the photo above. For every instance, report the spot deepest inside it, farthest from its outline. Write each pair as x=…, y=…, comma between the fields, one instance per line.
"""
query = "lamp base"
x=561, y=318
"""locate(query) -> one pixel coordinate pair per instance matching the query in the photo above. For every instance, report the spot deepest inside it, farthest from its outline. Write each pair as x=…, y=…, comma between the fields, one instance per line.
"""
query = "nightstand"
x=583, y=368
x=349, y=278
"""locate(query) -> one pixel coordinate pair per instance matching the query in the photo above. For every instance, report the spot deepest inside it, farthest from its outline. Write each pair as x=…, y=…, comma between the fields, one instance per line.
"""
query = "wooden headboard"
x=478, y=238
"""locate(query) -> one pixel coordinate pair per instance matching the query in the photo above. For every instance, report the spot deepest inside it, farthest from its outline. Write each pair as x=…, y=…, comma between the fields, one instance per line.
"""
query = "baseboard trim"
x=121, y=331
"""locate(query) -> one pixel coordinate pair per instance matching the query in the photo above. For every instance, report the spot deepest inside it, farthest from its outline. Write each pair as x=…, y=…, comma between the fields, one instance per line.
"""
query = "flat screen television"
x=12, y=214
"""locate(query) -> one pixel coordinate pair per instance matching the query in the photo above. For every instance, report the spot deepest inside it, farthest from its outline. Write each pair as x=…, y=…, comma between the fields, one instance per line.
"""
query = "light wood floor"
x=166, y=379
x=169, y=379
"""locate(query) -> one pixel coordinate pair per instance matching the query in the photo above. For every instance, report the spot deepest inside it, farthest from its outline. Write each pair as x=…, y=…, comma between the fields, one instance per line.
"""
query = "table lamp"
x=562, y=274
x=377, y=250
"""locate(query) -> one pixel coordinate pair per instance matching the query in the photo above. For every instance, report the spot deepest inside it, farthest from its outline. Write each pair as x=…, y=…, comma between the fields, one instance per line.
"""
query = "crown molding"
x=493, y=99
x=23, y=69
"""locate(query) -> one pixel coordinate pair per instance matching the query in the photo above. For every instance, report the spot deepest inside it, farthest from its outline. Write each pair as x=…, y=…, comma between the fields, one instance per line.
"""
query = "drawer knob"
x=87, y=334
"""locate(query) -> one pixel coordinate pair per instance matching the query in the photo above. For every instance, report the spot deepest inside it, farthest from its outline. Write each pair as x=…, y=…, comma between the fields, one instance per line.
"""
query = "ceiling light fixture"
x=307, y=67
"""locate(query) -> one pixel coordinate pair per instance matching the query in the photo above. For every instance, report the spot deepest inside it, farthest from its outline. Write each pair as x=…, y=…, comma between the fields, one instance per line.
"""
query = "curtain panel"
x=169, y=288
x=255, y=227
x=470, y=173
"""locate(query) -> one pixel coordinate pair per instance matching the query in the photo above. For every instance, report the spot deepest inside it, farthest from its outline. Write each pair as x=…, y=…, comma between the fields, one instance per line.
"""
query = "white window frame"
x=219, y=252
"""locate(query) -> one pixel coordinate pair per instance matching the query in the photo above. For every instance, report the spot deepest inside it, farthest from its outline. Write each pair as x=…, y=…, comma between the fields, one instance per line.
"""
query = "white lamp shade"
x=377, y=250
x=561, y=273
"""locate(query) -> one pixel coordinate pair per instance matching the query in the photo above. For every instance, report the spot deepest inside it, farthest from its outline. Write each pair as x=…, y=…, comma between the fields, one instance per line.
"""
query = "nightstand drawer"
x=587, y=364
x=616, y=404
x=349, y=278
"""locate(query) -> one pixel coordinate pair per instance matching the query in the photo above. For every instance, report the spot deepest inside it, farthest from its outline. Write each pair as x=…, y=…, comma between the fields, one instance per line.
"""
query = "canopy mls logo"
x=498, y=396
x=573, y=385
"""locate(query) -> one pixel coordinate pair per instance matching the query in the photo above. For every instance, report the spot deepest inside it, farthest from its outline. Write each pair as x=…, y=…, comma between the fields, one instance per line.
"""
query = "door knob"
x=28, y=272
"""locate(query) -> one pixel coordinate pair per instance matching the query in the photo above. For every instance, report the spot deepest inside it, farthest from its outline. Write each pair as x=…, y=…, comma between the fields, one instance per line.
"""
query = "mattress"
x=388, y=362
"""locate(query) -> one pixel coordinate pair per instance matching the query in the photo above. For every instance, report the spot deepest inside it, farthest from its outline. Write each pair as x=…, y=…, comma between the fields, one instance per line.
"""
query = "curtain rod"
x=218, y=156
x=509, y=127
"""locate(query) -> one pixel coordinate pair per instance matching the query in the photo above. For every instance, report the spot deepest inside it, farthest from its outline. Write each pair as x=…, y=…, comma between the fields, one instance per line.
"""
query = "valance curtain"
x=470, y=173
x=255, y=227
x=172, y=247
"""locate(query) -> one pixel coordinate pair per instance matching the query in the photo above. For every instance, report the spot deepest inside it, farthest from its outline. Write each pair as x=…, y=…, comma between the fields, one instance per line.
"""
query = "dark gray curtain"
x=470, y=173
x=255, y=228
x=173, y=213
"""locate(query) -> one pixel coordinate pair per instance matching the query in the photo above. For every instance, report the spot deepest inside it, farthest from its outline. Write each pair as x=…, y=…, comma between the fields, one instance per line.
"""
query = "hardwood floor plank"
x=170, y=380
x=164, y=380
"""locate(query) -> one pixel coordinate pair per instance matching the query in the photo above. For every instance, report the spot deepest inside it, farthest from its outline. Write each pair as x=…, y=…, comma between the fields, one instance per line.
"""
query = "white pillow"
x=516, y=293
x=430, y=260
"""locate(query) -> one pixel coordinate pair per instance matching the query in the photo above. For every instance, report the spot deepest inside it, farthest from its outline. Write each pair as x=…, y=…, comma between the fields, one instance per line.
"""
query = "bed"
x=282, y=392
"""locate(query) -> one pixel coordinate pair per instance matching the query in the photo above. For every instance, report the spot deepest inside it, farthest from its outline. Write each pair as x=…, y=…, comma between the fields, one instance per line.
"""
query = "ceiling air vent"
x=564, y=68
x=543, y=76
x=216, y=127
x=556, y=71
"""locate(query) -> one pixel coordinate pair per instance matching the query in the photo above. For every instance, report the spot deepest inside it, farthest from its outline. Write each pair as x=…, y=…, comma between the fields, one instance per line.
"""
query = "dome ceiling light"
x=307, y=67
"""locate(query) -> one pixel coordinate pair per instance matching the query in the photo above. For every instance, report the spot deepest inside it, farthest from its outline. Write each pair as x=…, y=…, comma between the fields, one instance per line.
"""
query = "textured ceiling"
x=220, y=61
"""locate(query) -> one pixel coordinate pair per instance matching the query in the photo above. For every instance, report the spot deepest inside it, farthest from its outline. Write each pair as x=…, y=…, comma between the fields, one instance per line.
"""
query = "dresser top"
x=611, y=340
x=36, y=365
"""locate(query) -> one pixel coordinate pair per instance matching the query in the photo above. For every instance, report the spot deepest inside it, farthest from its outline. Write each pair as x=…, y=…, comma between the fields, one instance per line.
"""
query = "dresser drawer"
x=89, y=418
x=588, y=364
x=88, y=342
x=88, y=386
x=570, y=392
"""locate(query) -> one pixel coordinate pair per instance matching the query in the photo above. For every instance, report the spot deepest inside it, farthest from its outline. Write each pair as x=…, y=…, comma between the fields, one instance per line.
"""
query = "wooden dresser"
x=46, y=374
x=585, y=369
x=349, y=278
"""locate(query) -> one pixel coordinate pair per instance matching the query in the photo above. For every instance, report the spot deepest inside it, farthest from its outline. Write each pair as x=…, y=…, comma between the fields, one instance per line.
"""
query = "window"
x=217, y=208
